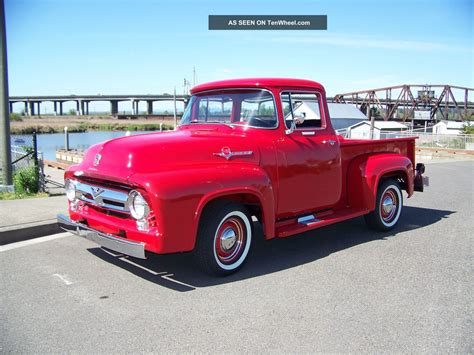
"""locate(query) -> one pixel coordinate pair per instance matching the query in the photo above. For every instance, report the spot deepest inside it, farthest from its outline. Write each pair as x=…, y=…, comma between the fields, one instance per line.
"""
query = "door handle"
x=330, y=141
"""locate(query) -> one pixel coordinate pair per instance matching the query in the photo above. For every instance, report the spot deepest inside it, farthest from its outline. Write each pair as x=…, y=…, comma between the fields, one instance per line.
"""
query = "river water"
x=48, y=143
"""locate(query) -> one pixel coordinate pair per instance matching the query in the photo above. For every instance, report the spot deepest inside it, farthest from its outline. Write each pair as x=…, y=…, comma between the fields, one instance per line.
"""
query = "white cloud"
x=224, y=71
x=371, y=42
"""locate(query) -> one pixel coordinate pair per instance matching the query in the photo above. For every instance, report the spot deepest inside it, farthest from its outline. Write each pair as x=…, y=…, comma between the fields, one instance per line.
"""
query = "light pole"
x=5, y=149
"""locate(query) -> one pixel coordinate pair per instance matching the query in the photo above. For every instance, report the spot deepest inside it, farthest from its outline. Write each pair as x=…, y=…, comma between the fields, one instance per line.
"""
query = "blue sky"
x=90, y=47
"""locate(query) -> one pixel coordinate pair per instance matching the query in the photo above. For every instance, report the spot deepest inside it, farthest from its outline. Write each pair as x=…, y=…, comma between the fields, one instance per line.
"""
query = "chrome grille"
x=102, y=197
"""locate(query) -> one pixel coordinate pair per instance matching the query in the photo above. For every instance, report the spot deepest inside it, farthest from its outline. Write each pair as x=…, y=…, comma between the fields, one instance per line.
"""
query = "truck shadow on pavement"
x=179, y=273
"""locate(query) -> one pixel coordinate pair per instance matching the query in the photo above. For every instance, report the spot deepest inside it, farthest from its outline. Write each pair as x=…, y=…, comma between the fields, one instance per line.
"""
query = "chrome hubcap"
x=228, y=239
x=387, y=204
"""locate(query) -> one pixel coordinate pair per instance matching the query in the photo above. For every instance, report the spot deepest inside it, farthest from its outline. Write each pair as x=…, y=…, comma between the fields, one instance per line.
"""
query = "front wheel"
x=224, y=238
x=388, y=206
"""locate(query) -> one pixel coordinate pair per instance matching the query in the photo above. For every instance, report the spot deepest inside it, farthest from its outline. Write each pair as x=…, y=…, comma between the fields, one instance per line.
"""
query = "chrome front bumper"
x=105, y=240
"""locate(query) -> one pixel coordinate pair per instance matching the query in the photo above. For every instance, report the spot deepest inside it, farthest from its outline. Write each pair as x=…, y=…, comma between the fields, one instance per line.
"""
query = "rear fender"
x=365, y=172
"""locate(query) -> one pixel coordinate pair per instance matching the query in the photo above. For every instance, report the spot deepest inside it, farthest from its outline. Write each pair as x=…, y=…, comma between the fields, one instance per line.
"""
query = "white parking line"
x=63, y=279
x=33, y=241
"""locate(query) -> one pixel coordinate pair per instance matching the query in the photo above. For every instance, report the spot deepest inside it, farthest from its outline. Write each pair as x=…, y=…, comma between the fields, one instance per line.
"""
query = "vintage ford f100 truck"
x=262, y=148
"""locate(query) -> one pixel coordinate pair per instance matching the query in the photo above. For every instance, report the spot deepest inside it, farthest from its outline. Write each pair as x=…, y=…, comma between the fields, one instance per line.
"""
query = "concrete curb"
x=19, y=233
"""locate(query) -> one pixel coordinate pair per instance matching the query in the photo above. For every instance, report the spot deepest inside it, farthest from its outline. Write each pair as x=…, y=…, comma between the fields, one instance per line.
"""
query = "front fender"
x=179, y=197
x=365, y=172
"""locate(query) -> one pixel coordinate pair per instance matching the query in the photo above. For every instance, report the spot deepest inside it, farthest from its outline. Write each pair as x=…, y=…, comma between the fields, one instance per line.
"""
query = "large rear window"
x=255, y=108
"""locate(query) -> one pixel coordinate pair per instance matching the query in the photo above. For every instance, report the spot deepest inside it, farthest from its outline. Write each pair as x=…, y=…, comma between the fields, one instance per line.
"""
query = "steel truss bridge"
x=400, y=102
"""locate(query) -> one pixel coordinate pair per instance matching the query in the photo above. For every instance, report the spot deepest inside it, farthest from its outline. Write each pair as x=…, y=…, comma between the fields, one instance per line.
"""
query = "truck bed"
x=351, y=148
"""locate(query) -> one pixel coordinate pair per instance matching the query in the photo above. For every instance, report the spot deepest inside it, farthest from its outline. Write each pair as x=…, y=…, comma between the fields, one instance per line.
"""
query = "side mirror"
x=298, y=119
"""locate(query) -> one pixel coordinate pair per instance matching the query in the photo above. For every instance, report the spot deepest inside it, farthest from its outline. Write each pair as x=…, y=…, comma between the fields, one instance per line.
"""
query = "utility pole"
x=174, y=111
x=5, y=149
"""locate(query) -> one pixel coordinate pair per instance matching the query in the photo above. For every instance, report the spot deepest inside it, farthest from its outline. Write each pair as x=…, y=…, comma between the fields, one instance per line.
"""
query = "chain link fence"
x=425, y=140
x=430, y=140
x=26, y=165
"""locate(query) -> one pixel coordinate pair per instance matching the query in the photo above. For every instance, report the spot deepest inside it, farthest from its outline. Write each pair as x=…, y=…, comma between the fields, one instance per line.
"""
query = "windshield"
x=255, y=108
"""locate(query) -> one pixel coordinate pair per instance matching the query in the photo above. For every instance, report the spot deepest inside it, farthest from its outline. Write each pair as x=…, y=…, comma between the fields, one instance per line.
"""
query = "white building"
x=449, y=127
x=361, y=130
x=345, y=115
x=342, y=115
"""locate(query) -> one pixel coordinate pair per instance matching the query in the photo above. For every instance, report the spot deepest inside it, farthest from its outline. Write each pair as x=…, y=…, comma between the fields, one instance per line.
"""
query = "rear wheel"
x=388, y=206
x=224, y=238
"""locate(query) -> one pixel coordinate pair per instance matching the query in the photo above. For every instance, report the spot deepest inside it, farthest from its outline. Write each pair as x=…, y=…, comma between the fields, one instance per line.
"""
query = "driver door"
x=309, y=162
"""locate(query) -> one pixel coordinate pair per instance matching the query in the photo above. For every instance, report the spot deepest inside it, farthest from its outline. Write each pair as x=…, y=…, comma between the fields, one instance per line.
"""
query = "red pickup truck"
x=261, y=148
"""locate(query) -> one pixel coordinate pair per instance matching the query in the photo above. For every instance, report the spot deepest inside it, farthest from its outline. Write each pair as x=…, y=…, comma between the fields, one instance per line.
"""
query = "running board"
x=309, y=222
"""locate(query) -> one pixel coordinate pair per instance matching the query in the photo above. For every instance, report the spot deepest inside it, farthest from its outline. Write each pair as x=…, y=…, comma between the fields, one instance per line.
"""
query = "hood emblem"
x=227, y=153
x=96, y=191
x=97, y=159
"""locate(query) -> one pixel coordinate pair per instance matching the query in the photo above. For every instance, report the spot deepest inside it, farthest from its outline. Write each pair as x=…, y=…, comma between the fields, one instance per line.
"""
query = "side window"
x=305, y=104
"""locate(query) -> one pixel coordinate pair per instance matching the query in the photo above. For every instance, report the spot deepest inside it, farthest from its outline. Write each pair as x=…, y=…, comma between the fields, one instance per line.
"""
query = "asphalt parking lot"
x=342, y=288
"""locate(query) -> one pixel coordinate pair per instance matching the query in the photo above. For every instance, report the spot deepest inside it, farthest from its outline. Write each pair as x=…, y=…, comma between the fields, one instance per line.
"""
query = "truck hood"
x=119, y=158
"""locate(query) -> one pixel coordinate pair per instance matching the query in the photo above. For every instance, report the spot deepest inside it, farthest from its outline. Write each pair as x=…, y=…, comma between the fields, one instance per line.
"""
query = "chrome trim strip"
x=227, y=153
x=102, y=196
x=105, y=240
x=308, y=220
x=308, y=133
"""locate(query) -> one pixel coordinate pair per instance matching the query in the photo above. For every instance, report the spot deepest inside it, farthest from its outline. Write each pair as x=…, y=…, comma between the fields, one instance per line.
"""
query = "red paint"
x=286, y=175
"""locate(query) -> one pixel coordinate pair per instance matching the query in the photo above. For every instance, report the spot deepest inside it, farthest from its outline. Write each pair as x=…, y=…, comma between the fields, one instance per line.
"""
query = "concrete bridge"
x=407, y=98
x=32, y=104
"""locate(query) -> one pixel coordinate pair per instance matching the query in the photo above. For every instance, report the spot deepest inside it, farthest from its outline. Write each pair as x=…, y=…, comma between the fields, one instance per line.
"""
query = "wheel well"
x=398, y=175
x=250, y=201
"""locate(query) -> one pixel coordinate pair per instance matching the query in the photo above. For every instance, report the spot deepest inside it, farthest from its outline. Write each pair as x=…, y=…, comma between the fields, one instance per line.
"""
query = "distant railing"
x=425, y=140
x=430, y=140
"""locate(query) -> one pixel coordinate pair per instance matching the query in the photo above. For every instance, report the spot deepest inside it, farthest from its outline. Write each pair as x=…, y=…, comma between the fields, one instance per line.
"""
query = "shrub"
x=468, y=127
x=15, y=116
x=26, y=180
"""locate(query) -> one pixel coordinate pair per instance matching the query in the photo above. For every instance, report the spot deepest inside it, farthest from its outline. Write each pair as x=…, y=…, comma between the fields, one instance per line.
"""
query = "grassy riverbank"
x=56, y=124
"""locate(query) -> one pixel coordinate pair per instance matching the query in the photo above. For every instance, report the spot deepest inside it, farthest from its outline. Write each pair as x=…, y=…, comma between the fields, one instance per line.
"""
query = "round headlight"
x=138, y=206
x=70, y=188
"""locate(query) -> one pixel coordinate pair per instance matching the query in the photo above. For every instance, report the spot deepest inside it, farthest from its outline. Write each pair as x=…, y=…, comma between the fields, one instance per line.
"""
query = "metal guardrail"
x=427, y=140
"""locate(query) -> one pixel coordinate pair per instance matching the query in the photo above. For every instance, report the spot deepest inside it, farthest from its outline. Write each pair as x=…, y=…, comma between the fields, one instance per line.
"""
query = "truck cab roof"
x=258, y=83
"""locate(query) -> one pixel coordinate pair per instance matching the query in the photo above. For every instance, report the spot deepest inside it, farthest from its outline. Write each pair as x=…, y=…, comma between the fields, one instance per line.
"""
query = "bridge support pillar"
x=55, y=108
x=27, y=109
x=149, y=107
x=81, y=107
x=61, y=108
x=87, y=107
x=32, y=108
x=10, y=106
x=113, y=107
x=78, y=108
x=135, y=107
x=39, y=108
